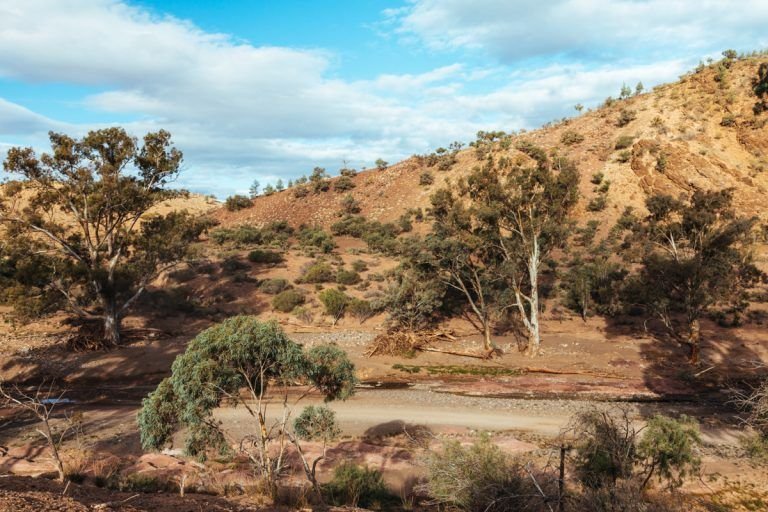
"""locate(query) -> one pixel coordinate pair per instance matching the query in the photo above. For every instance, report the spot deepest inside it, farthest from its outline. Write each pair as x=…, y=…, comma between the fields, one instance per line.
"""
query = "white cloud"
x=603, y=29
x=241, y=112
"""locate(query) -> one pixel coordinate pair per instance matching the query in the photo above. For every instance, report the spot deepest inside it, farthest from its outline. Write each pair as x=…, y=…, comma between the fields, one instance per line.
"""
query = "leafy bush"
x=300, y=191
x=669, y=448
x=287, y=300
x=360, y=309
x=260, y=256
x=359, y=266
x=343, y=184
x=480, y=478
x=318, y=272
x=237, y=202
x=728, y=120
x=316, y=424
x=335, y=302
x=349, y=205
x=347, y=277
x=241, y=235
x=316, y=237
x=232, y=265
x=273, y=286
x=426, y=179
x=624, y=157
x=357, y=486
x=624, y=142
x=598, y=203
x=606, y=449
x=303, y=313
x=571, y=137
x=626, y=116
x=597, y=178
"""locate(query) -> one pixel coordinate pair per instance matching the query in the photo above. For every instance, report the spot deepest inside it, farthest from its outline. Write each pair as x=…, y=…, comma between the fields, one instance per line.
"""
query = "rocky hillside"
x=698, y=133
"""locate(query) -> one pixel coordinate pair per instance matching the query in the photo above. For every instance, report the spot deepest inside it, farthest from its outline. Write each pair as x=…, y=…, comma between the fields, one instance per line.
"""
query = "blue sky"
x=263, y=90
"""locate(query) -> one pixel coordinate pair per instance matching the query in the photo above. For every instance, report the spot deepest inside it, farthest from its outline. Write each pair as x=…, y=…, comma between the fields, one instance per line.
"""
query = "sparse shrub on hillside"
x=381, y=164
x=728, y=120
x=404, y=223
x=335, y=303
x=624, y=142
x=347, y=277
x=319, y=180
x=316, y=237
x=358, y=486
x=661, y=162
x=482, y=478
x=233, y=265
x=318, y=272
x=303, y=314
x=347, y=172
x=352, y=225
x=343, y=184
x=349, y=205
x=266, y=257
x=287, y=300
x=571, y=137
x=273, y=286
x=360, y=309
x=275, y=233
x=269, y=190
x=300, y=191
x=379, y=237
x=237, y=202
x=597, y=178
x=626, y=116
x=426, y=179
x=624, y=157
x=760, y=88
x=359, y=266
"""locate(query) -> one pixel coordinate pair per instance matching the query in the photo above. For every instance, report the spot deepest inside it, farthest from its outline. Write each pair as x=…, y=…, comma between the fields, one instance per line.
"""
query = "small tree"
x=269, y=190
x=254, y=190
x=243, y=352
x=760, y=87
x=319, y=180
x=521, y=213
x=335, y=302
x=349, y=205
x=381, y=164
x=626, y=92
x=695, y=254
x=88, y=209
x=639, y=88
x=279, y=186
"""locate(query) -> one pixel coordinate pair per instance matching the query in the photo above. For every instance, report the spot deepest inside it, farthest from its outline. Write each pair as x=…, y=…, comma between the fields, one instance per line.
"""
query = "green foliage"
x=695, y=255
x=381, y=164
x=357, y=486
x=597, y=204
x=413, y=299
x=349, y=205
x=316, y=423
x=624, y=142
x=379, y=237
x=597, y=178
x=319, y=180
x=316, y=237
x=273, y=286
x=254, y=190
x=760, y=87
x=359, y=266
x=343, y=184
x=480, y=478
x=571, y=137
x=239, y=352
x=347, y=277
x=426, y=179
x=90, y=218
x=237, y=202
x=728, y=120
x=669, y=447
x=335, y=302
x=317, y=272
x=605, y=451
x=267, y=257
x=360, y=309
x=275, y=233
x=593, y=283
x=624, y=157
x=287, y=300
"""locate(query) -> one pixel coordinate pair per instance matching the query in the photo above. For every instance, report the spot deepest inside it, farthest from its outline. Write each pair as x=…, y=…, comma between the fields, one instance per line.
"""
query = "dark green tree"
x=695, y=255
x=87, y=207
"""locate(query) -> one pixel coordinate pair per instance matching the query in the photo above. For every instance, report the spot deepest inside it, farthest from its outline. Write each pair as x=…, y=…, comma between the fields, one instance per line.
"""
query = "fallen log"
x=531, y=369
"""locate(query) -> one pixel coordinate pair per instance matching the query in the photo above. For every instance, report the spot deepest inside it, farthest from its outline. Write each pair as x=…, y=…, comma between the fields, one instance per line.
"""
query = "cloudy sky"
x=258, y=89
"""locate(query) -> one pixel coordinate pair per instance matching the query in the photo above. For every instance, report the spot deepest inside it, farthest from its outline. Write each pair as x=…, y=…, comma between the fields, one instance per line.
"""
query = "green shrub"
x=597, y=178
x=605, y=451
x=232, y=265
x=669, y=449
x=728, y=120
x=480, y=478
x=244, y=234
x=360, y=309
x=357, y=486
x=318, y=272
x=343, y=184
x=349, y=205
x=303, y=313
x=571, y=137
x=347, y=277
x=300, y=191
x=237, y=202
x=287, y=300
x=335, y=302
x=597, y=204
x=624, y=157
x=624, y=142
x=626, y=116
x=352, y=225
x=359, y=266
x=426, y=179
x=260, y=256
x=273, y=286
x=316, y=237
x=316, y=423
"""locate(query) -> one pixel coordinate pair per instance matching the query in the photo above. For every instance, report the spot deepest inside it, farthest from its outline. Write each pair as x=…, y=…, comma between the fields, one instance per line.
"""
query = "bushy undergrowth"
x=287, y=300
x=358, y=486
